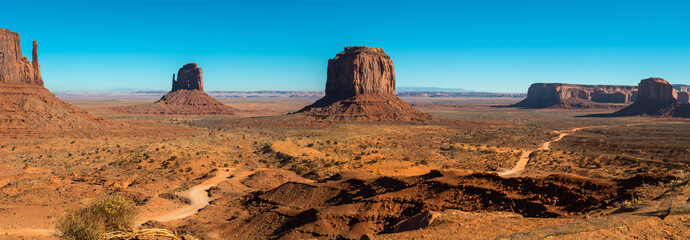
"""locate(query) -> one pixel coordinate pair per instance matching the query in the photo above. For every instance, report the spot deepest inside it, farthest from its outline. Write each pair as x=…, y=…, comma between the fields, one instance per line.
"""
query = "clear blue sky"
x=498, y=46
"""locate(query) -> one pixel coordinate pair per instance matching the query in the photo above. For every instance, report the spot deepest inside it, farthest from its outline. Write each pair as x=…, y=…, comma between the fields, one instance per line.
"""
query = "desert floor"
x=484, y=172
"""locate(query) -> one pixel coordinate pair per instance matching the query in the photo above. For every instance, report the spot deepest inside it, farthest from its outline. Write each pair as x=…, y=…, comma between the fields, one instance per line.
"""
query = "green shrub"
x=107, y=214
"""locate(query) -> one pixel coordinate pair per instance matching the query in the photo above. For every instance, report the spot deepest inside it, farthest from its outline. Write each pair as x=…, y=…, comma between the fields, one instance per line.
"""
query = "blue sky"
x=497, y=46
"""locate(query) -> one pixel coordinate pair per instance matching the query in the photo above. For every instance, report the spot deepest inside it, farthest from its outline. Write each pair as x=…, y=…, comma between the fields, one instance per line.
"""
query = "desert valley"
x=359, y=160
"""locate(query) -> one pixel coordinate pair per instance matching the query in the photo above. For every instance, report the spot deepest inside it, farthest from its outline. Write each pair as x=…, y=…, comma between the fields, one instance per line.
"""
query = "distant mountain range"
x=397, y=89
x=430, y=89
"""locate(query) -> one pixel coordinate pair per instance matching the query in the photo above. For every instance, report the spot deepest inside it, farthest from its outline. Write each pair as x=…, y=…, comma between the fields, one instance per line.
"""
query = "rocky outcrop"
x=655, y=98
x=187, y=97
x=15, y=68
x=188, y=77
x=559, y=95
x=26, y=107
x=360, y=85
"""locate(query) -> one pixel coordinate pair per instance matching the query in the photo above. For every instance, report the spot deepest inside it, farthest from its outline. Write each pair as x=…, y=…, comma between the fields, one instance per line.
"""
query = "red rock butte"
x=187, y=97
x=655, y=98
x=360, y=85
x=25, y=105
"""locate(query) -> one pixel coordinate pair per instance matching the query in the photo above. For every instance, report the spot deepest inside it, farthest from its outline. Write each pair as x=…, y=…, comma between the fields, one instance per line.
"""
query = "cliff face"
x=655, y=91
x=360, y=85
x=15, y=68
x=558, y=95
x=189, y=78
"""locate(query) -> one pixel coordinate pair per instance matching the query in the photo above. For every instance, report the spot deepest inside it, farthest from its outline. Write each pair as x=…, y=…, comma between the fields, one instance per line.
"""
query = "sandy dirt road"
x=197, y=194
x=524, y=157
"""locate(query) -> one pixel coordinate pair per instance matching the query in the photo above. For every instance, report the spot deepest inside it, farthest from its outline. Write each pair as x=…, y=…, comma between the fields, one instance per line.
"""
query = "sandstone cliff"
x=559, y=95
x=360, y=85
x=187, y=97
x=26, y=107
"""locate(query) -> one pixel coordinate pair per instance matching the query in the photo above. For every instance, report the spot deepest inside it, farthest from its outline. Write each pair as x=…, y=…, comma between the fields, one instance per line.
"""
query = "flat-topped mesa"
x=189, y=77
x=15, y=68
x=560, y=95
x=360, y=70
x=360, y=85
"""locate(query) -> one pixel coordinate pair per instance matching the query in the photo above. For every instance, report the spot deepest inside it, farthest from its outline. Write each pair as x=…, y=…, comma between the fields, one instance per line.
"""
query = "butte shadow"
x=655, y=98
x=26, y=106
x=360, y=86
x=187, y=97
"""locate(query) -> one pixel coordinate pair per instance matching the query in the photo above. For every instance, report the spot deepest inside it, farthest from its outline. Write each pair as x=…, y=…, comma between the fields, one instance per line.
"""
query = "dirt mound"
x=353, y=207
x=181, y=102
x=272, y=178
x=366, y=108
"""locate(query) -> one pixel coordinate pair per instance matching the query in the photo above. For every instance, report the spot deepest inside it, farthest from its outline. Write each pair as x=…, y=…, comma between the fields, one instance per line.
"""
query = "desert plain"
x=470, y=171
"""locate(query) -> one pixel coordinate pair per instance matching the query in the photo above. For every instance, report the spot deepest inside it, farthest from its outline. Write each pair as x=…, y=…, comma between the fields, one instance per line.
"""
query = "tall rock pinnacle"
x=37, y=68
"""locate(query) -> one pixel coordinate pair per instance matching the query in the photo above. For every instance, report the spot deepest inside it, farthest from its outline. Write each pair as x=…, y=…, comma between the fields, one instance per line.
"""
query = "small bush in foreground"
x=111, y=213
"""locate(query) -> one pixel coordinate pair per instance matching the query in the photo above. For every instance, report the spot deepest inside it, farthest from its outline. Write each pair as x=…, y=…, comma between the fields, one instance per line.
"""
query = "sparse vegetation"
x=103, y=215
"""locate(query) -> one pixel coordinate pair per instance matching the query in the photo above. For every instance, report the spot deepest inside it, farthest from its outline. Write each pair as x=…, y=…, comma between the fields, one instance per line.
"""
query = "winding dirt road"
x=524, y=157
x=197, y=194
